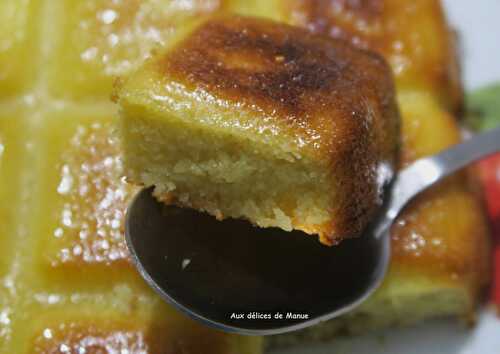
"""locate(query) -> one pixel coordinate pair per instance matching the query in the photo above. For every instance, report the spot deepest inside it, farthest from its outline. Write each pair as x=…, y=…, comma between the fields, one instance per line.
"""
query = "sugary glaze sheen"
x=413, y=36
x=105, y=335
x=94, y=197
x=440, y=260
x=86, y=293
x=423, y=236
x=105, y=38
x=332, y=101
x=326, y=91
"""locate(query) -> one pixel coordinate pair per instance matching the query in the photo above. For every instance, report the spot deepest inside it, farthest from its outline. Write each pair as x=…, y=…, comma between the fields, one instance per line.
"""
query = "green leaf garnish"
x=483, y=108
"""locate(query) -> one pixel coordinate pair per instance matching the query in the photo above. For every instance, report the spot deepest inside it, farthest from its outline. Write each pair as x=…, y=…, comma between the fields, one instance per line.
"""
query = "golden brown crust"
x=293, y=76
x=413, y=36
x=443, y=233
x=325, y=91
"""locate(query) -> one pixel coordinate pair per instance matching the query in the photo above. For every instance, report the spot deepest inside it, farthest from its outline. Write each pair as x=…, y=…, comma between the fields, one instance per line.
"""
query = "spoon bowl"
x=239, y=278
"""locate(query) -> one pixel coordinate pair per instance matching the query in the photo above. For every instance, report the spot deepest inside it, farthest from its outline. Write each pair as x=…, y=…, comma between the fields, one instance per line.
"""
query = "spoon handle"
x=426, y=171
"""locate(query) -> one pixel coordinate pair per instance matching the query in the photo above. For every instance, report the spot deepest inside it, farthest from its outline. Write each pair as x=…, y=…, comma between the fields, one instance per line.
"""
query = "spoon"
x=239, y=278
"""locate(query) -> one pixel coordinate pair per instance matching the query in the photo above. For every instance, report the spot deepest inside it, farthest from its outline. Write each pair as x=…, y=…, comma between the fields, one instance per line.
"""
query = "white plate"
x=478, y=23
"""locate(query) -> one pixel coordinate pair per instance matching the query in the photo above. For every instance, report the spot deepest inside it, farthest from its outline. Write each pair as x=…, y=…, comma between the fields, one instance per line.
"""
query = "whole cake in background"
x=67, y=283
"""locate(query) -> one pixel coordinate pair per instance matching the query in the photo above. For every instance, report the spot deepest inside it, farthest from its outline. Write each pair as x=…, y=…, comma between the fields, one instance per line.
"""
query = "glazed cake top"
x=324, y=94
x=413, y=36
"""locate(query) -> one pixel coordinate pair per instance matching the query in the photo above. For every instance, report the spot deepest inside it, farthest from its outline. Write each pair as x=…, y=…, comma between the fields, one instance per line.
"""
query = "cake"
x=440, y=245
x=54, y=297
x=67, y=284
x=414, y=38
x=439, y=263
x=248, y=118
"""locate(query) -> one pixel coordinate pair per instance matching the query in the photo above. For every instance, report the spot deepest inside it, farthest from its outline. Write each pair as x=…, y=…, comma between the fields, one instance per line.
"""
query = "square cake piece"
x=19, y=25
x=413, y=36
x=248, y=118
x=12, y=162
x=100, y=39
x=147, y=327
x=82, y=238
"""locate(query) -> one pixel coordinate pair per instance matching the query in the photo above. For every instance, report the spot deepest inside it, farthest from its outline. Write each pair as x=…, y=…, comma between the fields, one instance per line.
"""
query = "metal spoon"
x=239, y=278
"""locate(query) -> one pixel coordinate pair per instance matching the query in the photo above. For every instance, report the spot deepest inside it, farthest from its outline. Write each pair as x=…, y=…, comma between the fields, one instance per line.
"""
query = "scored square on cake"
x=248, y=118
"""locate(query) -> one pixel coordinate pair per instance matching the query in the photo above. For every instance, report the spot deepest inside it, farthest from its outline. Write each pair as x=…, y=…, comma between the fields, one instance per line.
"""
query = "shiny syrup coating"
x=320, y=90
x=94, y=197
x=88, y=247
x=104, y=38
x=412, y=36
x=443, y=232
x=75, y=337
x=105, y=335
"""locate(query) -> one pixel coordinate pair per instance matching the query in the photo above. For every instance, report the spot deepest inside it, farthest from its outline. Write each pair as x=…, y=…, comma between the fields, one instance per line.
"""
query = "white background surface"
x=478, y=22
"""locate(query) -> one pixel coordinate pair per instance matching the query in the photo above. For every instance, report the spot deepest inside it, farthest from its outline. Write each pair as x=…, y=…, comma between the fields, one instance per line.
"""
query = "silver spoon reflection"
x=239, y=278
